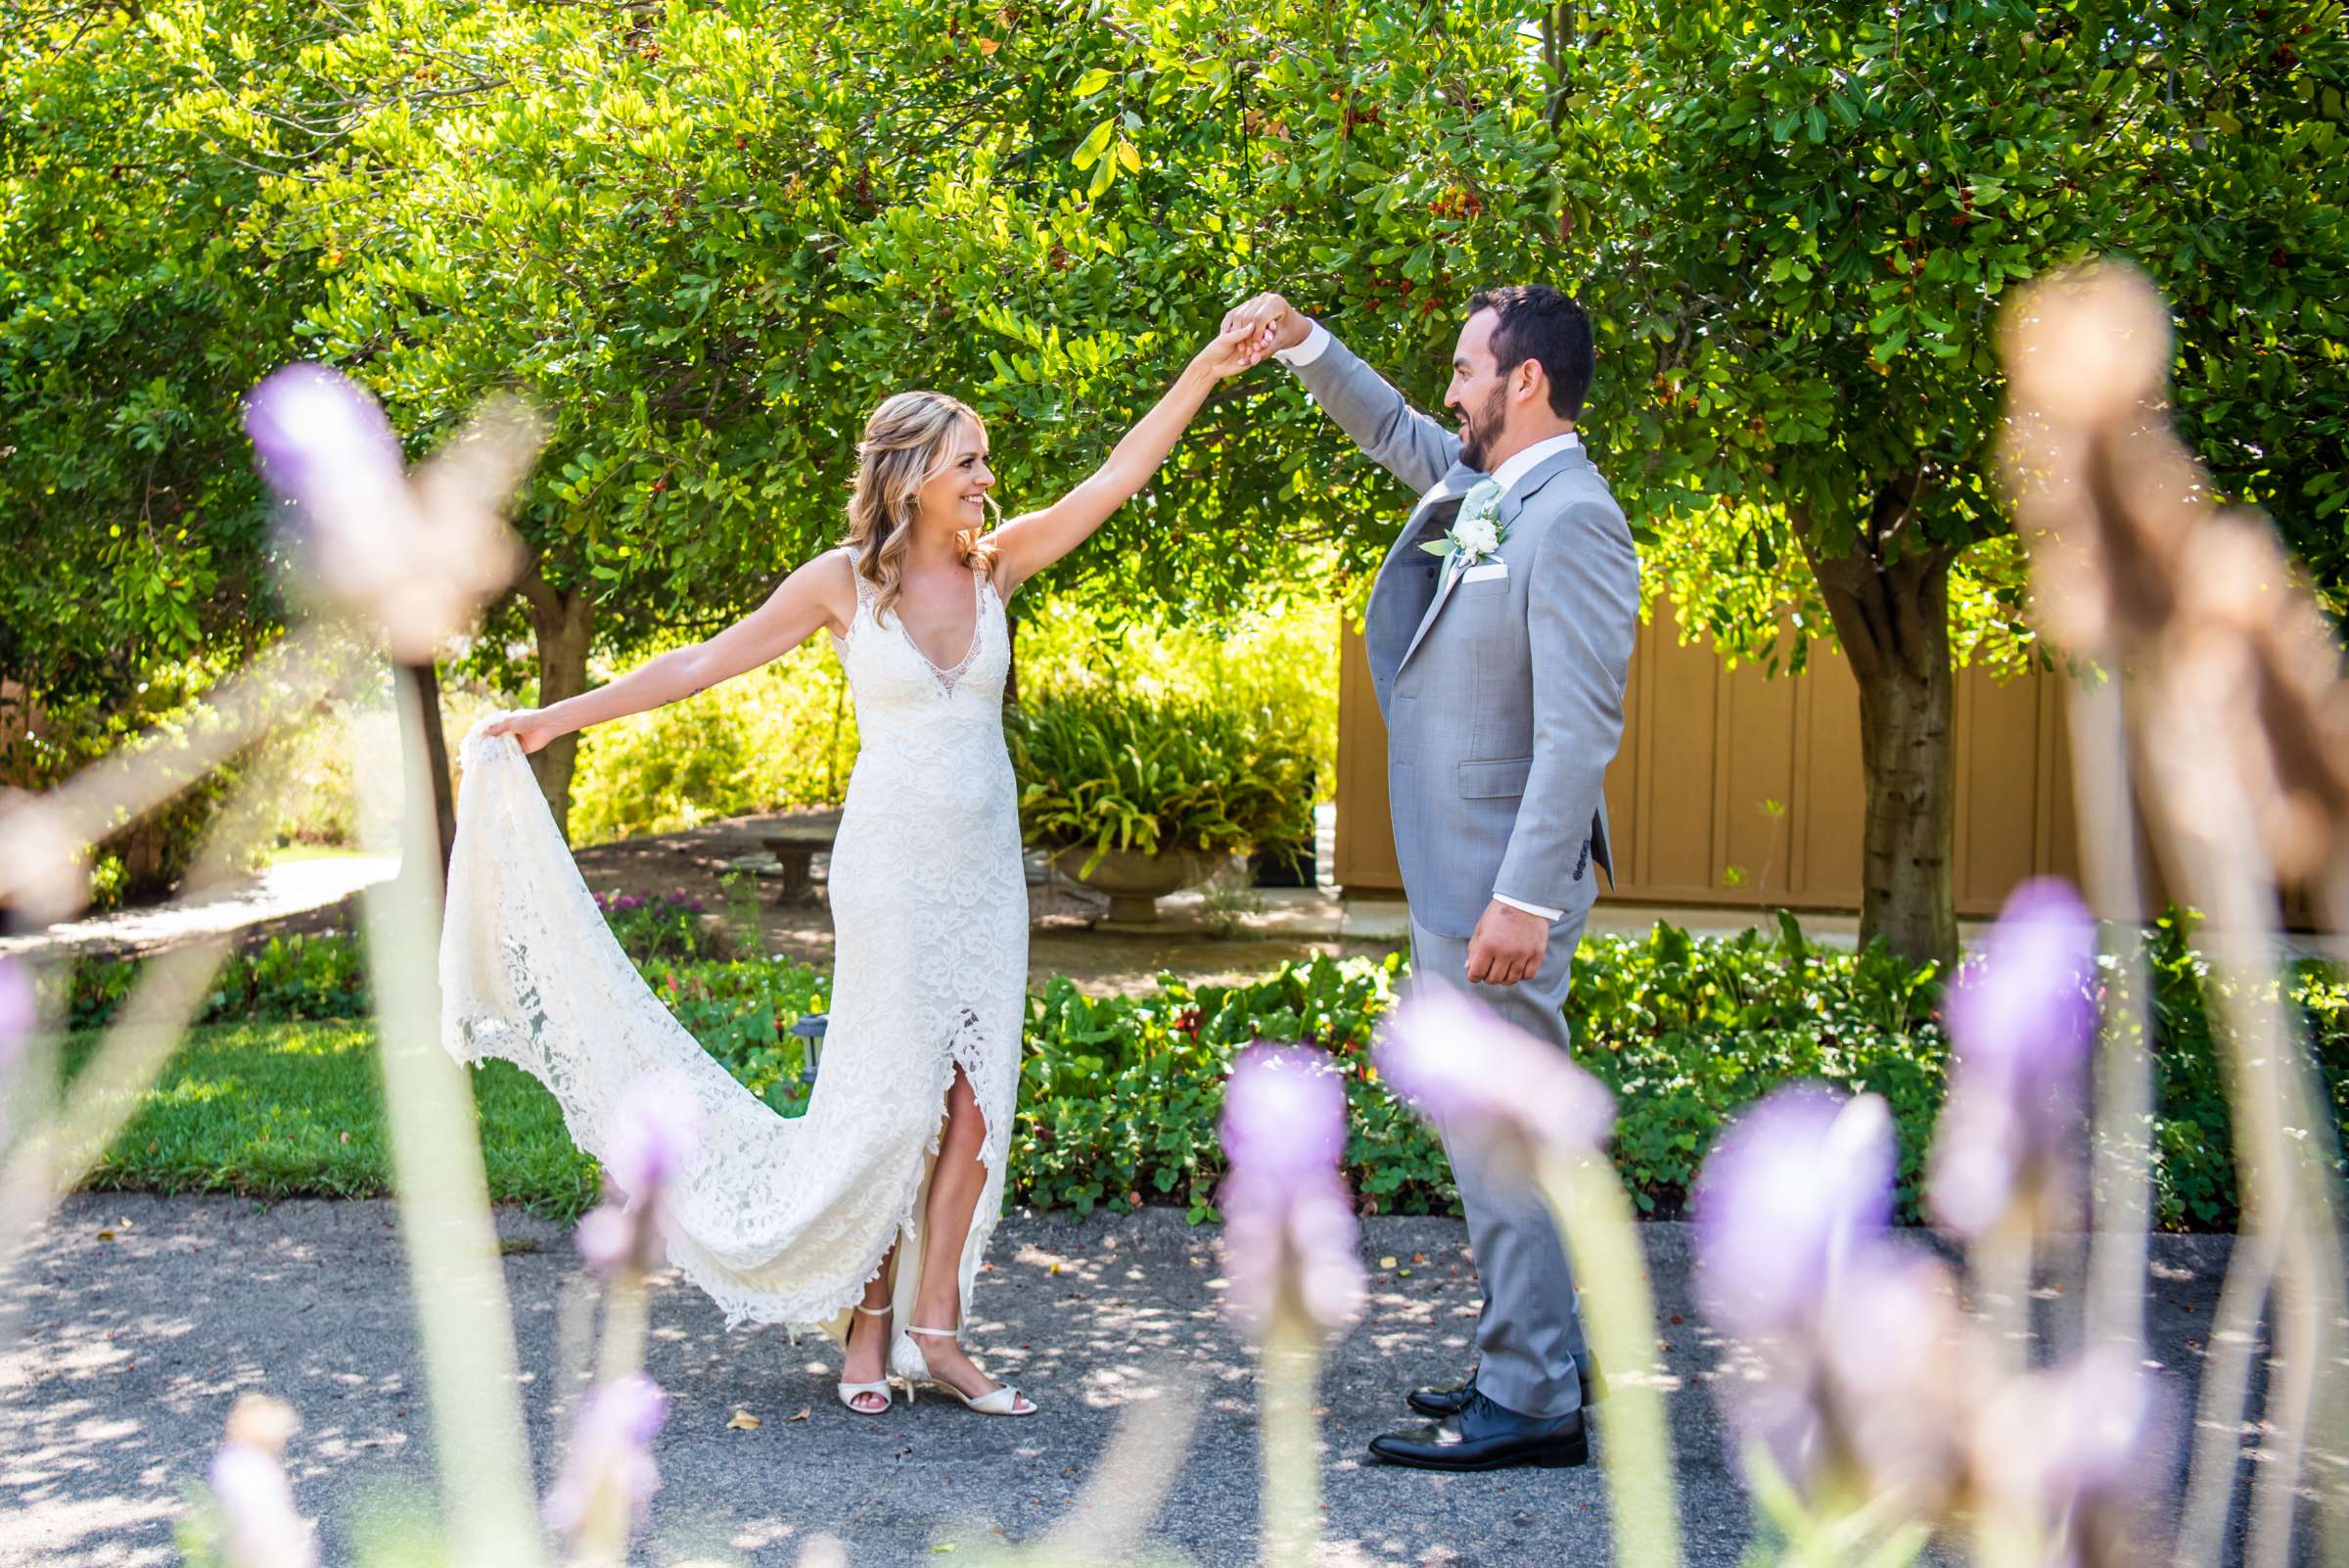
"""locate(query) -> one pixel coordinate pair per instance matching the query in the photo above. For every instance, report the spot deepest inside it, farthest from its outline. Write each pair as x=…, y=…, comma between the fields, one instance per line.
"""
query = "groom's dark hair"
x=1542, y=324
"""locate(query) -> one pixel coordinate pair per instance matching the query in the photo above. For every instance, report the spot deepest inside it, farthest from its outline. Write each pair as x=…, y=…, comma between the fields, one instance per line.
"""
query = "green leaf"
x=1096, y=142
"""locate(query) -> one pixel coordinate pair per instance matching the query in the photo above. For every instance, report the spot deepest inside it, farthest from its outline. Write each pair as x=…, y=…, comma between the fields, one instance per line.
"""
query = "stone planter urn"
x=1134, y=880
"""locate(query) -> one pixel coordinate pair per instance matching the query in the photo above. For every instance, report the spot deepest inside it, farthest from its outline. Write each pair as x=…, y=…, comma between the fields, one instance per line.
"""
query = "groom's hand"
x=1275, y=324
x=1507, y=947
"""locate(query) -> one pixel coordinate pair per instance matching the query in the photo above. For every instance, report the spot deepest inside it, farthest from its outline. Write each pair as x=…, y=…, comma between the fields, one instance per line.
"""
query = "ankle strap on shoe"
x=934, y=1333
x=876, y=1312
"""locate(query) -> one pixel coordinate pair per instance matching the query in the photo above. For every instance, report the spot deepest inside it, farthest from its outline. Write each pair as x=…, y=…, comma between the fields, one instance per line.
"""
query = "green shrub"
x=786, y=736
x=780, y=736
x=1113, y=771
x=1278, y=659
x=1686, y=1030
x=2193, y=1149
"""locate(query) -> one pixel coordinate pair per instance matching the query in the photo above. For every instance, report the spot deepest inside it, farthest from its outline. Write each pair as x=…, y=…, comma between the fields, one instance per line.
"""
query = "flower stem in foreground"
x=464, y=1324
x=1290, y=1366
x=1620, y=1315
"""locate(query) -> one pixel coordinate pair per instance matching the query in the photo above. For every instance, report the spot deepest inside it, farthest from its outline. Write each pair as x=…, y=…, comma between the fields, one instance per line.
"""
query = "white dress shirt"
x=1512, y=469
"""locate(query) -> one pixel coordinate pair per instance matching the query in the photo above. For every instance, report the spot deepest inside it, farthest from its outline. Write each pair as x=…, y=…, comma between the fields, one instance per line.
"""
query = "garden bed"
x=277, y=1094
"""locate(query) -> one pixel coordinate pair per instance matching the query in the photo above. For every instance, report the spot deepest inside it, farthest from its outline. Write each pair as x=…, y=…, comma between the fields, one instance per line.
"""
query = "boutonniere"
x=1476, y=533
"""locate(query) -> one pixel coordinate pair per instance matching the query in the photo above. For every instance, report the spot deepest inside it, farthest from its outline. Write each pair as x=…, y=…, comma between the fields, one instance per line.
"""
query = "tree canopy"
x=706, y=237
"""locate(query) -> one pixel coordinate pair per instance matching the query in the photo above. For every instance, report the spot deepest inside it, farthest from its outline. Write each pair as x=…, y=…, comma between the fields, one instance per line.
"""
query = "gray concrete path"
x=142, y=1319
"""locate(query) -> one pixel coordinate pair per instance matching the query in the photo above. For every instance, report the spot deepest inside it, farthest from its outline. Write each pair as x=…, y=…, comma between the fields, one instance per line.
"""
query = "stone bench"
x=794, y=844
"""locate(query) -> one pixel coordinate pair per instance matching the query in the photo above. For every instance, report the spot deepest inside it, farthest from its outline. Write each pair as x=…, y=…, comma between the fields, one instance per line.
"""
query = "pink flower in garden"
x=607, y=1478
x=1289, y=1228
x=610, y=1240
x=1458, y=1061
x=417, y=559
x=2023, y=1022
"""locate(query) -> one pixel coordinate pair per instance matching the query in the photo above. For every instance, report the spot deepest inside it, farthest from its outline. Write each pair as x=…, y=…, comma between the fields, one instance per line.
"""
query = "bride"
x=882, y=1196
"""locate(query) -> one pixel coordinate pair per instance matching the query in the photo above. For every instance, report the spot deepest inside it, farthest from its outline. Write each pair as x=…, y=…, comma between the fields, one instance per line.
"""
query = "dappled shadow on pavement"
x=142, y=1319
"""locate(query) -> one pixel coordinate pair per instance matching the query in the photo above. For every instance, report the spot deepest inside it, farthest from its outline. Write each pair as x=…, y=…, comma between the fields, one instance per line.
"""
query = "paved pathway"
x=279, y=889
x=144, y=1317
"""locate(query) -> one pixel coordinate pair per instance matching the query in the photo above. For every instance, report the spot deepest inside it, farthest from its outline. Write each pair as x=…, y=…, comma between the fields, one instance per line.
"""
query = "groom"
x=1498, y=660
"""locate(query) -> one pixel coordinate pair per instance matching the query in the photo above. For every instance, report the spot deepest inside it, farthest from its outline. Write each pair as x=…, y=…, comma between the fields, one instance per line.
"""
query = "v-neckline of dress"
x=948, y=677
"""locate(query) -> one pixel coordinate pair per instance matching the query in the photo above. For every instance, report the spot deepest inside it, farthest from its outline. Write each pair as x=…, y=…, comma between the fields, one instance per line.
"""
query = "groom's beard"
x=1482, y=427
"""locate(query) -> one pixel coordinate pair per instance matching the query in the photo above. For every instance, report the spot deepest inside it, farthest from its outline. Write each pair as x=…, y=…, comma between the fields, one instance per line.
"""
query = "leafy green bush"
x=284, y=980
x=785, y=735
x=782, y=735
x=1119, y=1096
x=1116, y=771
x=1278, y=659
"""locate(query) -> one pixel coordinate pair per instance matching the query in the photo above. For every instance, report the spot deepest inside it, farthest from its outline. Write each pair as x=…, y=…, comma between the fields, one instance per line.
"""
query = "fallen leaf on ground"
x=801, y=1416
x=744, y=1421
x=1386, y=1263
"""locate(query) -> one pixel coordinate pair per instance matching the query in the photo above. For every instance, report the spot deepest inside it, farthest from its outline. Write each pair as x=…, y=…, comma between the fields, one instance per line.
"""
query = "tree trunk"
x=564, y=624
x=1892, y=615
x=1011, y=660
x=427, y=679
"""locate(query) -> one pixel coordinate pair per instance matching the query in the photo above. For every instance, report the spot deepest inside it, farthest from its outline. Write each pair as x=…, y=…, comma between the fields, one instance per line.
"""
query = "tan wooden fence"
x=1737, y=789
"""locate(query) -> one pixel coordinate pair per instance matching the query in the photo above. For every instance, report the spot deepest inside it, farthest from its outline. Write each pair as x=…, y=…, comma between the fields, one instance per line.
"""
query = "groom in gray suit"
x=1499, y=658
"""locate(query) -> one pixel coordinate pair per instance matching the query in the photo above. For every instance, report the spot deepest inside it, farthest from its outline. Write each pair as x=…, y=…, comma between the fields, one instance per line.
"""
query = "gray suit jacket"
x=1503, y=697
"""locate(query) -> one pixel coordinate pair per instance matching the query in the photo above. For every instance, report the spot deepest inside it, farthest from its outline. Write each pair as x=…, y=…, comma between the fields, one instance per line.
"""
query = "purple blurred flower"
x=607, y=1478
x=18, y=1008
x=416, y=559
x=2086, y=1446
x=1889, y=1340
x=652, y=1139
x=609, y=1240
x=1458, y=1061
x=258, y=1525
x=1788, y=1193
x=322, y=442
x=1289, y=1226
x=2023, y=1022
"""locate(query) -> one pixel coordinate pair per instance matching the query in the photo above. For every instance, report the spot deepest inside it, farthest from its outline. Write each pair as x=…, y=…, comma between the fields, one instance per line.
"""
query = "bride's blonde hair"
x=908, y=443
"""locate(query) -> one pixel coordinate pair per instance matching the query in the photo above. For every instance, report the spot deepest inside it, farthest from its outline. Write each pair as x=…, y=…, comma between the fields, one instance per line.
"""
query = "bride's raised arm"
x=822, y=593
x=1029, y=543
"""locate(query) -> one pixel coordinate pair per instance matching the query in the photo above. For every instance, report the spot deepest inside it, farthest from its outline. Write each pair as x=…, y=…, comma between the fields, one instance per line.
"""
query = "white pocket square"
x=1491, y=569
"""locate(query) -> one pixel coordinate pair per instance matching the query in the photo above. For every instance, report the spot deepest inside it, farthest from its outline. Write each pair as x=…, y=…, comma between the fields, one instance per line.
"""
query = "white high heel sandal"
x=850, y=1393
x=908, y=1362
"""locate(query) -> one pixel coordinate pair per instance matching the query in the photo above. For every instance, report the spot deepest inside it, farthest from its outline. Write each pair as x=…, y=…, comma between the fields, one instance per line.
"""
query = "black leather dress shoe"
x=1443, y=1402
x=1485, y=1437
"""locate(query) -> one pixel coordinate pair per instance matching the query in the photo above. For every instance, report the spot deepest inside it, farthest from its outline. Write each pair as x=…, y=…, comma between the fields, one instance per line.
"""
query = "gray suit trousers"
x=1531, y=1329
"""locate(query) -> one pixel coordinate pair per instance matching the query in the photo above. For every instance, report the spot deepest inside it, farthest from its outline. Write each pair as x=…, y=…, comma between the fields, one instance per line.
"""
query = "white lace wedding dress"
x=784, y=1221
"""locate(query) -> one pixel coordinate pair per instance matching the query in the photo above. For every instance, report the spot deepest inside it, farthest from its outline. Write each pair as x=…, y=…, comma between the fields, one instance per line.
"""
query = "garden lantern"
x=810, y=1030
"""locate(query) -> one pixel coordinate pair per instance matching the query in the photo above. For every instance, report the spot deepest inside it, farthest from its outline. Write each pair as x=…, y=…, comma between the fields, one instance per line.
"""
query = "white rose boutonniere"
x=1476, y=533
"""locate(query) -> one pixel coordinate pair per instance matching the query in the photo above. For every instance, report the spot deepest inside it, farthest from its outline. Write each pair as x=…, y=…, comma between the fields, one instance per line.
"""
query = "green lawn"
x=296, y=1110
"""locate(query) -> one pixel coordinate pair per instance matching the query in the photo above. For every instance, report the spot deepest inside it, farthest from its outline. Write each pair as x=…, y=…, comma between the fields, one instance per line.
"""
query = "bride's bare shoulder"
x=831, y=579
